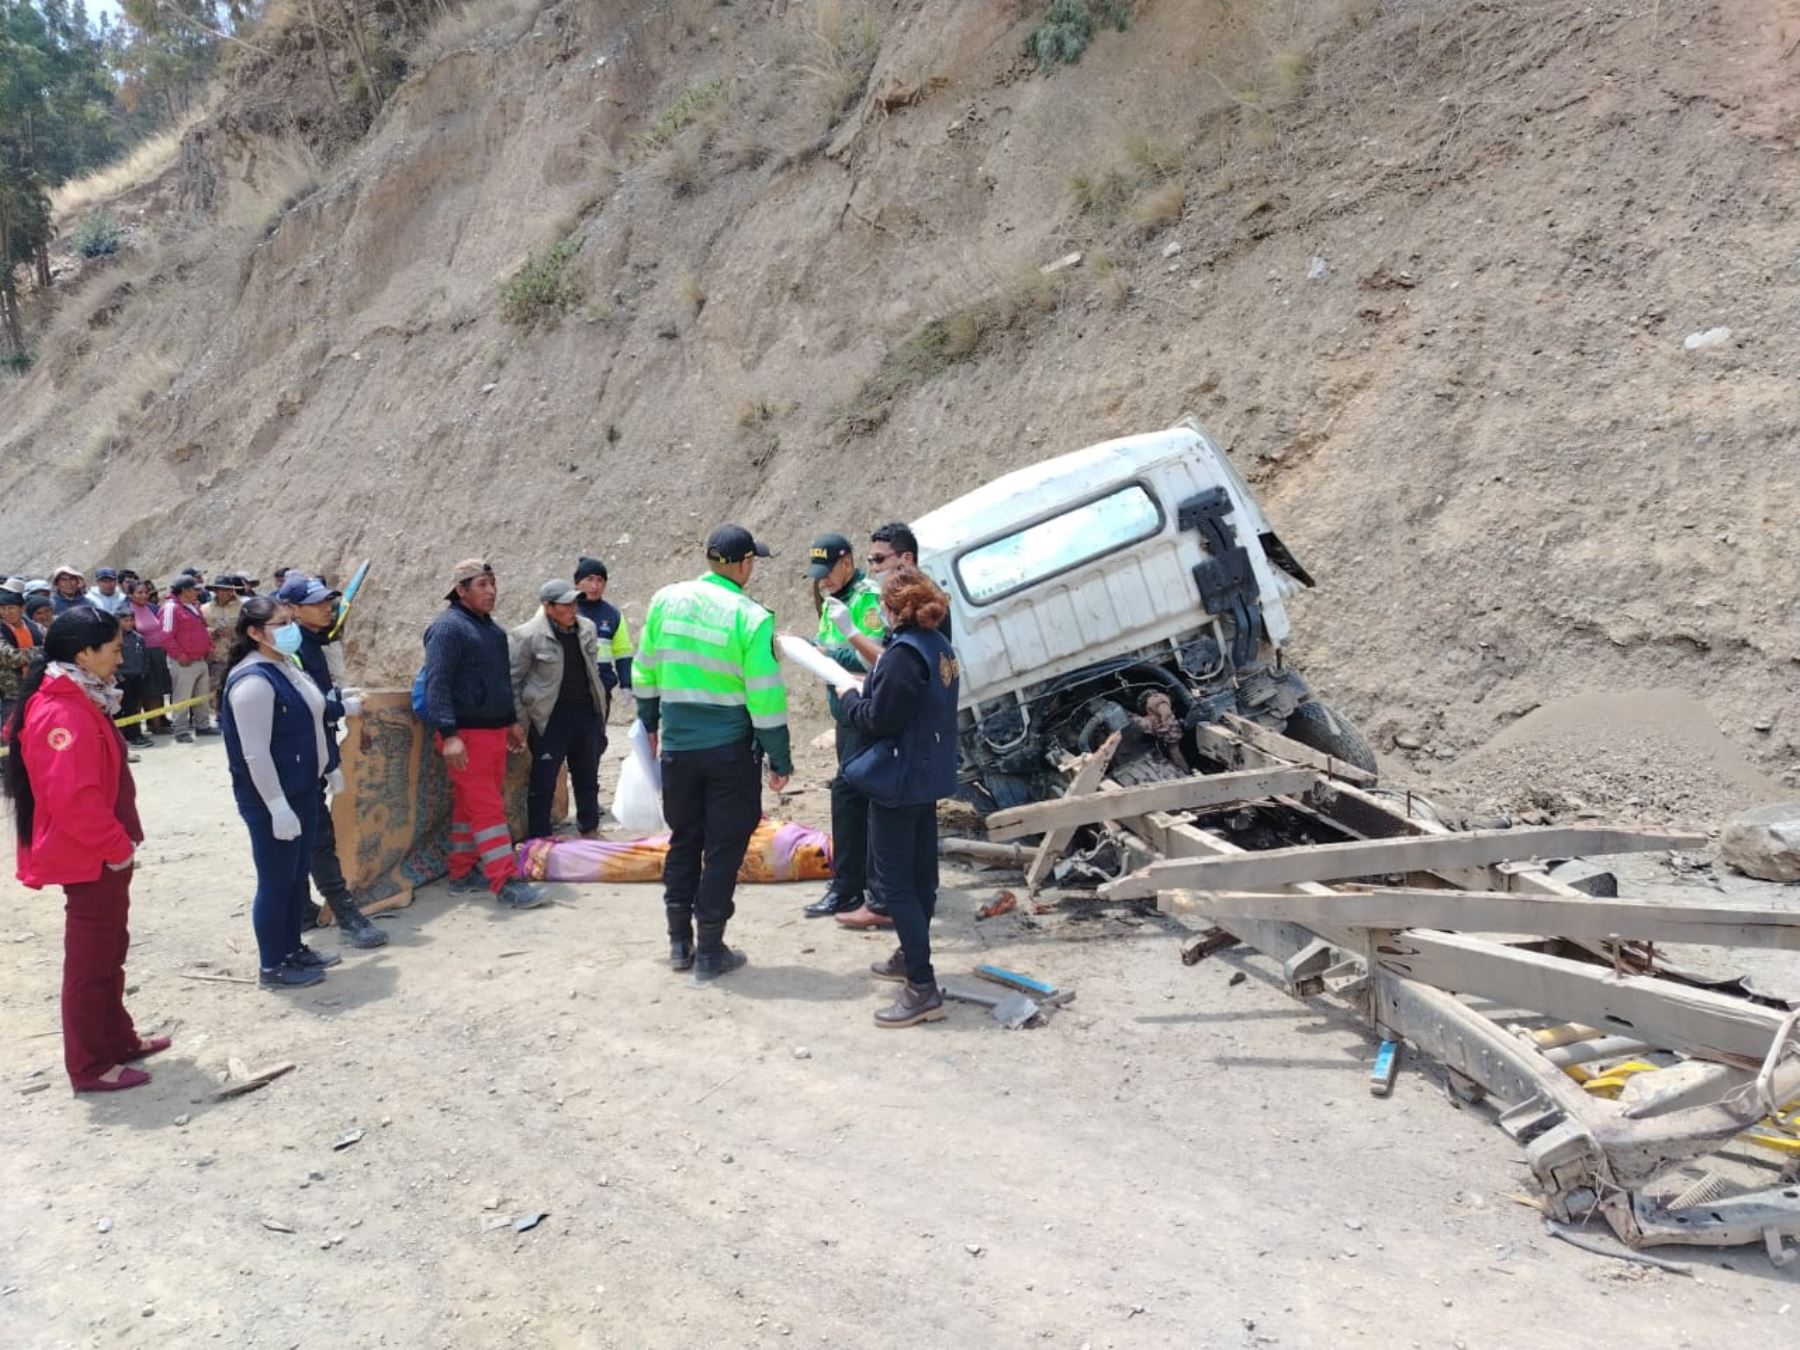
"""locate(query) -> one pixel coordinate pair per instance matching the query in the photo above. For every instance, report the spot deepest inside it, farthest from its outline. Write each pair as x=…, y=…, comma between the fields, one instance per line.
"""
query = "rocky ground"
x=1185, y=1157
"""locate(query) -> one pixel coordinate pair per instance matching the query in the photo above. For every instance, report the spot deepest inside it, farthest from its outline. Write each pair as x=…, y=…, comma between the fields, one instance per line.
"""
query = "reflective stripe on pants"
x=477, y=797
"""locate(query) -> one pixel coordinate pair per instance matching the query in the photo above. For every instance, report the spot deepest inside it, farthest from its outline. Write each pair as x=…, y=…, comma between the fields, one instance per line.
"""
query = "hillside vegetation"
x=593, y=276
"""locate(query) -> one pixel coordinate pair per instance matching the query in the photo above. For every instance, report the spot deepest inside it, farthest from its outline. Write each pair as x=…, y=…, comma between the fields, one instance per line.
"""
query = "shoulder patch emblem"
x=60, y=738
x=947, y=670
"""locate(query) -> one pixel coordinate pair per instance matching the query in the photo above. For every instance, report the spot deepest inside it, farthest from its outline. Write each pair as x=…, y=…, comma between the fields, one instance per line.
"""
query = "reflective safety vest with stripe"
x=706, y=664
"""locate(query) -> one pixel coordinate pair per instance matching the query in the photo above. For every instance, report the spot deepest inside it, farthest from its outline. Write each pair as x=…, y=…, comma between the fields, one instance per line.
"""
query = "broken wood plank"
x=1499, y=912
x=1181, y=794
x=1673, y=1016
x=1087, y=778
x=1273, y=743
x=1279, y=867
x=250, y=1082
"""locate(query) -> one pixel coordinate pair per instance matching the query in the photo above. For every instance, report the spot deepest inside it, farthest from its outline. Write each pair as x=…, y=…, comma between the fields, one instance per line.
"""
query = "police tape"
x=135, y=718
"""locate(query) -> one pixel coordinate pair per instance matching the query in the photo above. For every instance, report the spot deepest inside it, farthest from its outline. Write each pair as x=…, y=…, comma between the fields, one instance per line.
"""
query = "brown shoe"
x=894, y=968
x=865, y=918
x=917, y=1003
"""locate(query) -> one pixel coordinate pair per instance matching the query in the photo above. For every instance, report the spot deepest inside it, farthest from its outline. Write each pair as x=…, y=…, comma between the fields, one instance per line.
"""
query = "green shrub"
x=97, y=236
x=1067, y=26
x=542, y=290
x=16, y=363
x=678, y=117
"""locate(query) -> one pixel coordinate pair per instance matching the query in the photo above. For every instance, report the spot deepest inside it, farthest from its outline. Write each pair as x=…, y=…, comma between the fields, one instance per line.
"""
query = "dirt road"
x=1176, y=1161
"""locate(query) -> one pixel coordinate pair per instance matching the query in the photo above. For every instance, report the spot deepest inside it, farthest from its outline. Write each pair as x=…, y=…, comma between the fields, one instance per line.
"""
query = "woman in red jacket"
x=75, y=808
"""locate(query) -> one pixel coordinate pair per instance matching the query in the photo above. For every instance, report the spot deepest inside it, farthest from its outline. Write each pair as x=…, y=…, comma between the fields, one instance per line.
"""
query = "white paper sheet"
x=803, y=653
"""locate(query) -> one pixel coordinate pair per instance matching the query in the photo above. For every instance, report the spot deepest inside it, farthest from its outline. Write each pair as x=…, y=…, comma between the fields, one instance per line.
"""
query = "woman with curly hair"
x=908, y=708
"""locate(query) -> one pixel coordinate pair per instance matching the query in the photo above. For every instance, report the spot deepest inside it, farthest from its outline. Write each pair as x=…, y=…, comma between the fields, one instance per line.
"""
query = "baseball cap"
x=300, y=589
x=733, y=543
x=558, y=592
x=589, y=567
x=466, y=571
x=826, y=550
x=183, y=583
x=106, y=574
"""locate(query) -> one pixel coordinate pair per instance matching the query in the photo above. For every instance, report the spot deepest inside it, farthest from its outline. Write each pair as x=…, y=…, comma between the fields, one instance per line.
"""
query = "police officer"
x=709, y=692
x=849, y=603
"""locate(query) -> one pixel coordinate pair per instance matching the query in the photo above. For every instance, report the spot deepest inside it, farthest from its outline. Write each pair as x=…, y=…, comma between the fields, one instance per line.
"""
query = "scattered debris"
x=215, y=979
x=973, y=1248
x=1237, y=978
x=1598, y=1248
x=30, y=1088
x=1317, y=271
x=181, y=1119
x=1003, y=903
x=801, y=1052
x=276, y=1226
x=1712, y=337
x=1386, y=1066
x=526, y=1222
x=242, y=1080
x=104, y=1226
x=1062, y=264
x=348, y=1138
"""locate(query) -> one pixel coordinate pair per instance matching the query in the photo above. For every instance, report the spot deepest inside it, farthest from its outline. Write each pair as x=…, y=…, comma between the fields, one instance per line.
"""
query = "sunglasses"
x=880, y=557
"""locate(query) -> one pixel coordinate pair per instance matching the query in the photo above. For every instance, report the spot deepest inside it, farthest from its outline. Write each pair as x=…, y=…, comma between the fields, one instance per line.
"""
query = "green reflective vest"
x=864, y=599
x=706, y=672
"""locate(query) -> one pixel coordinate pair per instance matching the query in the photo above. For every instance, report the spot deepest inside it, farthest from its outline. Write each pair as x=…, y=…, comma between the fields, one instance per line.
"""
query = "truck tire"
x=1317, y=724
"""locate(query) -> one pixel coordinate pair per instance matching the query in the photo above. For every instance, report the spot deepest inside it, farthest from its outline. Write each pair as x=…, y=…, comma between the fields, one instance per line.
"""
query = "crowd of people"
x=90, y=674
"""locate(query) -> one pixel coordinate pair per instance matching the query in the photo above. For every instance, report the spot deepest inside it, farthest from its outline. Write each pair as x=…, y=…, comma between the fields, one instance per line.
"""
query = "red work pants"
x=97, y=1031
x=478, y=833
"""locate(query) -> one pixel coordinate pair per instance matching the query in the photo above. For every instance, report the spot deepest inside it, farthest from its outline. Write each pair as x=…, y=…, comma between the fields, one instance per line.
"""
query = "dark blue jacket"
x=468, y=673
x=911, y=699
x=605, y=617
x=292, y=743
x=313, y=662
x=134, y=662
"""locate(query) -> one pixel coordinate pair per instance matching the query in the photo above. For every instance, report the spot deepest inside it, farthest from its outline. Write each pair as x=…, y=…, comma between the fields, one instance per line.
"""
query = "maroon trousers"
x=97, y=1031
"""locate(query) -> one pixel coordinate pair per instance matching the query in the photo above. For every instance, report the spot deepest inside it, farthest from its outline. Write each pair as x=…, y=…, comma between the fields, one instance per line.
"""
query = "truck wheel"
x=1316, y=724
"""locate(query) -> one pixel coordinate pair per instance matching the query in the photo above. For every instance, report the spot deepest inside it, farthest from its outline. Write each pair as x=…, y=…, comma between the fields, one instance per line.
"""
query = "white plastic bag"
x=637, y=802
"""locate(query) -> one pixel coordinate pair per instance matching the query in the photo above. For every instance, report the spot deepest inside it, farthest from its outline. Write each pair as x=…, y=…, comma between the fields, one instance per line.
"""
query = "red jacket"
x=185, y=636
x=85, y=803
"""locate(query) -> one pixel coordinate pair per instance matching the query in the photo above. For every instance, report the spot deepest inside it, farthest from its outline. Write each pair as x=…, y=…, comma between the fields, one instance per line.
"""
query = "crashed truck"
x=1120, y=614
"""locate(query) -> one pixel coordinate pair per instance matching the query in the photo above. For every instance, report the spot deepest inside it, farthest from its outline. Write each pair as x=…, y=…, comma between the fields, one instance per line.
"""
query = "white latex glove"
x=284, y=822
x=352, y=700
x=839, y=614
x=847, y=683
x=334, y=782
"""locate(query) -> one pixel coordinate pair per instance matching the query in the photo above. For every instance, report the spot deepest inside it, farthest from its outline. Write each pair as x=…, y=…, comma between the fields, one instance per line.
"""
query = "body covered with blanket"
x=779, y=851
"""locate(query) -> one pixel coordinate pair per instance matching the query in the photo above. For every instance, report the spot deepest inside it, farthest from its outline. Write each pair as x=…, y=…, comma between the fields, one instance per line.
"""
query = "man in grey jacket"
x=556, y=685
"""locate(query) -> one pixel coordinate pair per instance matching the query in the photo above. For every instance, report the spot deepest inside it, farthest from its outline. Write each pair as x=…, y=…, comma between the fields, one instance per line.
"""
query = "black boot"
x=713, y=958
x=355, y=927
x=681, y=938
x=834, y=901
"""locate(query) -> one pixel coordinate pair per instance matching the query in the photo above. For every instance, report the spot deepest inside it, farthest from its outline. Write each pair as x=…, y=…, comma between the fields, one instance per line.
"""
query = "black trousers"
x=327, y=871
x=712, y=800
x=849, y=824
x=903, y=848
x=134, y=691
x=575, y=736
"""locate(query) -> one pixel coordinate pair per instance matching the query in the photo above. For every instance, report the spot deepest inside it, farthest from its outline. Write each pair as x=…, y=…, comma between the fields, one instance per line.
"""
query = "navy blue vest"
x=293, y=744
x=928, y=745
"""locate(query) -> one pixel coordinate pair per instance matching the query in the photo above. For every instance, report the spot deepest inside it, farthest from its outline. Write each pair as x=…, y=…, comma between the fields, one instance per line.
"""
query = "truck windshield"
x=1077, y=536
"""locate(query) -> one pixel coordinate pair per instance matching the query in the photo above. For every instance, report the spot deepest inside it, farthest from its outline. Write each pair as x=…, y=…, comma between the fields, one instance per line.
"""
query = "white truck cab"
x=1083, y=586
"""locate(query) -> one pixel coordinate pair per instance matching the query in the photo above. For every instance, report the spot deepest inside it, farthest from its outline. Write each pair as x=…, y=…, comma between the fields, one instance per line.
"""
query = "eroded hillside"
x=1426, y=267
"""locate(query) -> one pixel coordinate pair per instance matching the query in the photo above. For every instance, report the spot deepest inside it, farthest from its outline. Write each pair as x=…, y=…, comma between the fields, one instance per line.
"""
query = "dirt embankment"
x=1427, y=269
